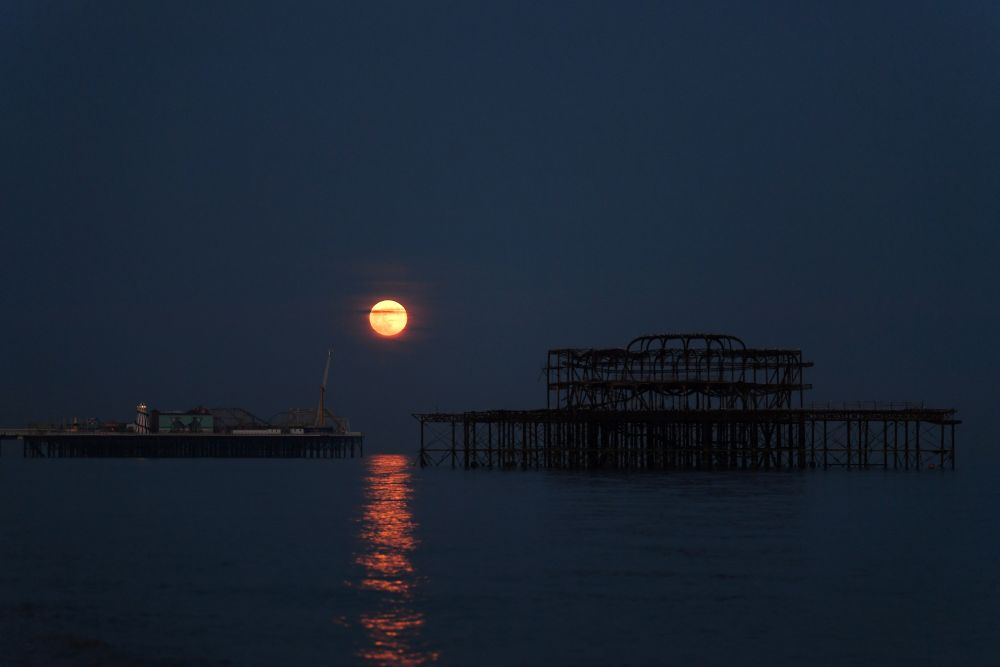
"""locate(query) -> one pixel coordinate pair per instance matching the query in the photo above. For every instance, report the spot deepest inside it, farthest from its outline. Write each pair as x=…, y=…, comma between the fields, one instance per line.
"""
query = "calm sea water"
x=376, y=562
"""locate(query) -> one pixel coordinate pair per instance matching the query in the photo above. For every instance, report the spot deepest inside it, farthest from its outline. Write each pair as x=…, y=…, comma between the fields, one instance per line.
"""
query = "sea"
x=375, y=561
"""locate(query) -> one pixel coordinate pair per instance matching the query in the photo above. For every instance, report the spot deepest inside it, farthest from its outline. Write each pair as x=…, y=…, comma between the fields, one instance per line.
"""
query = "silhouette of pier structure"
x=52, y=445
x=201, y=433
x=688, y=401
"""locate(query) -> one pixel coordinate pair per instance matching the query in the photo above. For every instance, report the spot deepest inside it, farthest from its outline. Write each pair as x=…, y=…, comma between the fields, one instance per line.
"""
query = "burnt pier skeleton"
x=688, y=401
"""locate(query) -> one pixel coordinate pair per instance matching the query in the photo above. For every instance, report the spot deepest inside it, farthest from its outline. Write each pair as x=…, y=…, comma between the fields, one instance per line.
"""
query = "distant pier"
x=688, y=402
x=188, y=445
x=200, y=432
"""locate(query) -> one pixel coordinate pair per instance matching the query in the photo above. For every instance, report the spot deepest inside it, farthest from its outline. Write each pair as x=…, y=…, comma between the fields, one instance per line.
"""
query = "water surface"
x=376, y=562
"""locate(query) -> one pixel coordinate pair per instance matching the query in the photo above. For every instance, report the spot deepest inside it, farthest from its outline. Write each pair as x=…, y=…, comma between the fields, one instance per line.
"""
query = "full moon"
x=388, y=317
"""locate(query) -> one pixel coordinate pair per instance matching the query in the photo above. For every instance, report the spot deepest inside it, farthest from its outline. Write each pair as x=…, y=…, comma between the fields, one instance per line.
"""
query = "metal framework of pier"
x=688, y=401
x=189, y=445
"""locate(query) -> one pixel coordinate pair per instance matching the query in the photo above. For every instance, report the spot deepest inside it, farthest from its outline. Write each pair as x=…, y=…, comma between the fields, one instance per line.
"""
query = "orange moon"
x=388, y=317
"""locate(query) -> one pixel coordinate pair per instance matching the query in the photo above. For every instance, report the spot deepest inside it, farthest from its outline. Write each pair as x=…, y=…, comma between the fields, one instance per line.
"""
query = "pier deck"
x=188, y=445
x=861, y=437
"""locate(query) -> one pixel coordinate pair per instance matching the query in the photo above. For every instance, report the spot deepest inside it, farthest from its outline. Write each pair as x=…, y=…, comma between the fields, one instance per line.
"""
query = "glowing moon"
x=388, y=317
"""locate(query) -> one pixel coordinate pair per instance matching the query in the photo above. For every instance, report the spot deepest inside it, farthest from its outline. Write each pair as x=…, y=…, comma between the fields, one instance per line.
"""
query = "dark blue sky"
x=198, y=198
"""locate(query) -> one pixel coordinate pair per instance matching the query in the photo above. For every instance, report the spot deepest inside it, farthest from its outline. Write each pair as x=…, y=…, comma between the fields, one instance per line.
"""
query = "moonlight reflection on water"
x=393, y=625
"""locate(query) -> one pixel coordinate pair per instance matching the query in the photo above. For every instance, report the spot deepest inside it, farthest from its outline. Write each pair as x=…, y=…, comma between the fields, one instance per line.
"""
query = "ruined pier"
x=688, y=401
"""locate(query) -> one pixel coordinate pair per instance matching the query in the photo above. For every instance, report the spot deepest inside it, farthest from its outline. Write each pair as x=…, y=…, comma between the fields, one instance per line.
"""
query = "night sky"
x=198, y=198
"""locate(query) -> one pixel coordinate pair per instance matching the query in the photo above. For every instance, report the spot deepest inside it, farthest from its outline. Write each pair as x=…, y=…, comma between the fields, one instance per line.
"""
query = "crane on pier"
x=317, y=417
x=321, y=410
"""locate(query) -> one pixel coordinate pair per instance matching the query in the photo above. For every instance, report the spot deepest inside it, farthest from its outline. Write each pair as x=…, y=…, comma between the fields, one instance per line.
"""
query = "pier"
x=199, y=432
x=51, y=445
x=901, y=438
x=683, y=402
